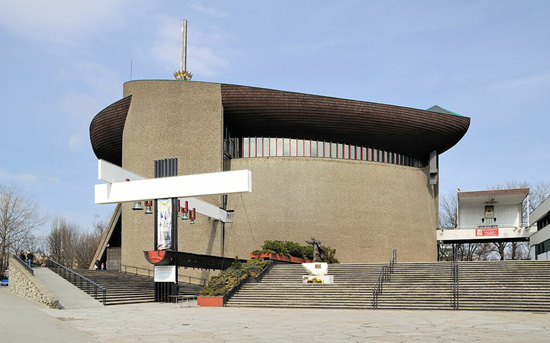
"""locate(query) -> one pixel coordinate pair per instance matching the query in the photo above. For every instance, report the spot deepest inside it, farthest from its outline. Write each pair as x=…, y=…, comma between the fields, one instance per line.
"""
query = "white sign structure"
x=118, y=189
x=165, y=273
x=489, y=215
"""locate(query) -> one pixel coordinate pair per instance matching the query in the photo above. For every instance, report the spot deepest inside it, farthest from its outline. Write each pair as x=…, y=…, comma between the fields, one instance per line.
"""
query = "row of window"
x=542, y=247
x=283, y=147
x=543, y=222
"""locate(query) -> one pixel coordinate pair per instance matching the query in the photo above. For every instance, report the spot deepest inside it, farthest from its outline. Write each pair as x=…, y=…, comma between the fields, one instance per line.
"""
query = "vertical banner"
x=164, y=224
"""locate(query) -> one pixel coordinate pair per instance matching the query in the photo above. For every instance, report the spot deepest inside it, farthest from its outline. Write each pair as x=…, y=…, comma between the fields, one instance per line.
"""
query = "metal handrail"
x=384, y=276
x=79, y=280
x=456, y=286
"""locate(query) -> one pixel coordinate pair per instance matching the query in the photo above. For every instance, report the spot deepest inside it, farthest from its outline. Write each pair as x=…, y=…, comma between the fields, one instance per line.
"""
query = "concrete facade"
x=171, y=120
x=362, y=209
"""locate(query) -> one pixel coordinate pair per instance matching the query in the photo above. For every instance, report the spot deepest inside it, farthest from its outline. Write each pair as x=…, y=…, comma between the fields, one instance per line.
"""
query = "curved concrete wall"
x=363, y=209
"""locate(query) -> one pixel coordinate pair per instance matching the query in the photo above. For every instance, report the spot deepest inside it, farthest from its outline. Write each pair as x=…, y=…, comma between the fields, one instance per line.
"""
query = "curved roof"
x=106, y=131
x=260, y=112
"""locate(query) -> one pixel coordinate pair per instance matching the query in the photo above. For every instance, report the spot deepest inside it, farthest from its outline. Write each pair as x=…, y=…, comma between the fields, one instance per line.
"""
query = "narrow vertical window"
x=266, y=147
x=333, y=150
x=259, y=147
x=286, y=147
x=300, y=152
x=307, y=148
x=293, y=147
x=273, y=147
x=246, y=150
x=279, y=147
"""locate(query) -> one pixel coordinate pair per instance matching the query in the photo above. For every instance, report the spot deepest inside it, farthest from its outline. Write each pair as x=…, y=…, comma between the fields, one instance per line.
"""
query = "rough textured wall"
x=26, y=285
x=363, y=209
x=171, y=119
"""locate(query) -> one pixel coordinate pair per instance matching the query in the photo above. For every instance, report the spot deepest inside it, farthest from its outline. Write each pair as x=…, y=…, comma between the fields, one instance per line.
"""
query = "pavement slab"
x=155, y=322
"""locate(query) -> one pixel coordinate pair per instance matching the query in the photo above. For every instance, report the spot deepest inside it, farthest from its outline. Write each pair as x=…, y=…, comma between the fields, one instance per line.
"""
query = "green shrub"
x=288, y=248
x=220, y=284
x=329, y=255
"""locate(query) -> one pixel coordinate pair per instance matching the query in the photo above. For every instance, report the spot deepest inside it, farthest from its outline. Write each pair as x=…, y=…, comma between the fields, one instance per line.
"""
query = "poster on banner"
x=165, y=273
x=164, y=224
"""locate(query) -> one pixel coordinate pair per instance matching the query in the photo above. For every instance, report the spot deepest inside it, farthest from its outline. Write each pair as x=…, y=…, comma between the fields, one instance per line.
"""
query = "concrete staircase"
x=418, y=286
x=500, y=286
x=282, y=287
x=125, y=288
x=505, y=286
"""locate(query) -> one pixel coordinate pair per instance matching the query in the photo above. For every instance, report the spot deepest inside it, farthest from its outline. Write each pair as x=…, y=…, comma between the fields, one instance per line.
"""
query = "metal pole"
x=183, y=64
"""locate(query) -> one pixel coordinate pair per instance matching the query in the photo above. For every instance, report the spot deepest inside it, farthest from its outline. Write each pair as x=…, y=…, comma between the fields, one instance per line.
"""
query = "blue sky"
x=63, y=61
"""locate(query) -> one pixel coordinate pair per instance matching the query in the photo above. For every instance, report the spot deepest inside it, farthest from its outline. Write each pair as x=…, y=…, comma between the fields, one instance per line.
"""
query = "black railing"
x=393, y=259
x=79, y=281
x=456, y=285
x=385, y=276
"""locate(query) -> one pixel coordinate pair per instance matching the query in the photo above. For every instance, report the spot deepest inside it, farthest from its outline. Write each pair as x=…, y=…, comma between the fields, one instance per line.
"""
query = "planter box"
x=277, y=257
x=210, y=301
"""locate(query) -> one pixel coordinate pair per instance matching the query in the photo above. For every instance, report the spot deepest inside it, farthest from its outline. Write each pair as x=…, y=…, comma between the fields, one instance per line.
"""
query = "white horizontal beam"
x=229, y=182
x=111, y=173
x=205, y=208
x=484, y=234
x=116, y=175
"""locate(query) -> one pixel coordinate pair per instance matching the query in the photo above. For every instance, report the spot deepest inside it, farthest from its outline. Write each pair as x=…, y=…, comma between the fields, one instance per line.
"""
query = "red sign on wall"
x=487, y=232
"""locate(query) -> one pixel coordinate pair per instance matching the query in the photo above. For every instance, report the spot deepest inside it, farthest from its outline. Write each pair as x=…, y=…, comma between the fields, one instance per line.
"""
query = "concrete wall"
x=24, y=284
x=363, y=209
x=170, y=119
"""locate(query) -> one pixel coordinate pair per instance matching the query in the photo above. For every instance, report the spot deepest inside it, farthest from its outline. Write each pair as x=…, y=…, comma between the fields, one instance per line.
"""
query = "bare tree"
x=448, y=211
x=484, y=251
x=466, y=251
x=18, y=219
x=501, y=249
x=537, y=194
x=70, y=246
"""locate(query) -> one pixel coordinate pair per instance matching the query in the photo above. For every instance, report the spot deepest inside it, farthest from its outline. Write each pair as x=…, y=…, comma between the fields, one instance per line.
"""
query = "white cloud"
x=204, y=62
x=61, y=21
x=210, y=11
x=23, y=179
x=75, y=142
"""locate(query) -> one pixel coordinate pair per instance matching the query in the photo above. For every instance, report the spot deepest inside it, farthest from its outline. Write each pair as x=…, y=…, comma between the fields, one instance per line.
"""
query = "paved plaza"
x=25, y=321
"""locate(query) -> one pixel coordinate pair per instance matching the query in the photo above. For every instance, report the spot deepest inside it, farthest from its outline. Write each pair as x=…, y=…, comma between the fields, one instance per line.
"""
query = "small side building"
x=539, y=242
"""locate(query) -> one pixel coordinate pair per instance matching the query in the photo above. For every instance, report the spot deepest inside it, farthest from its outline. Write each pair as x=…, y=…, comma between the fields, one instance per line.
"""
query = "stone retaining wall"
x=26, y=285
